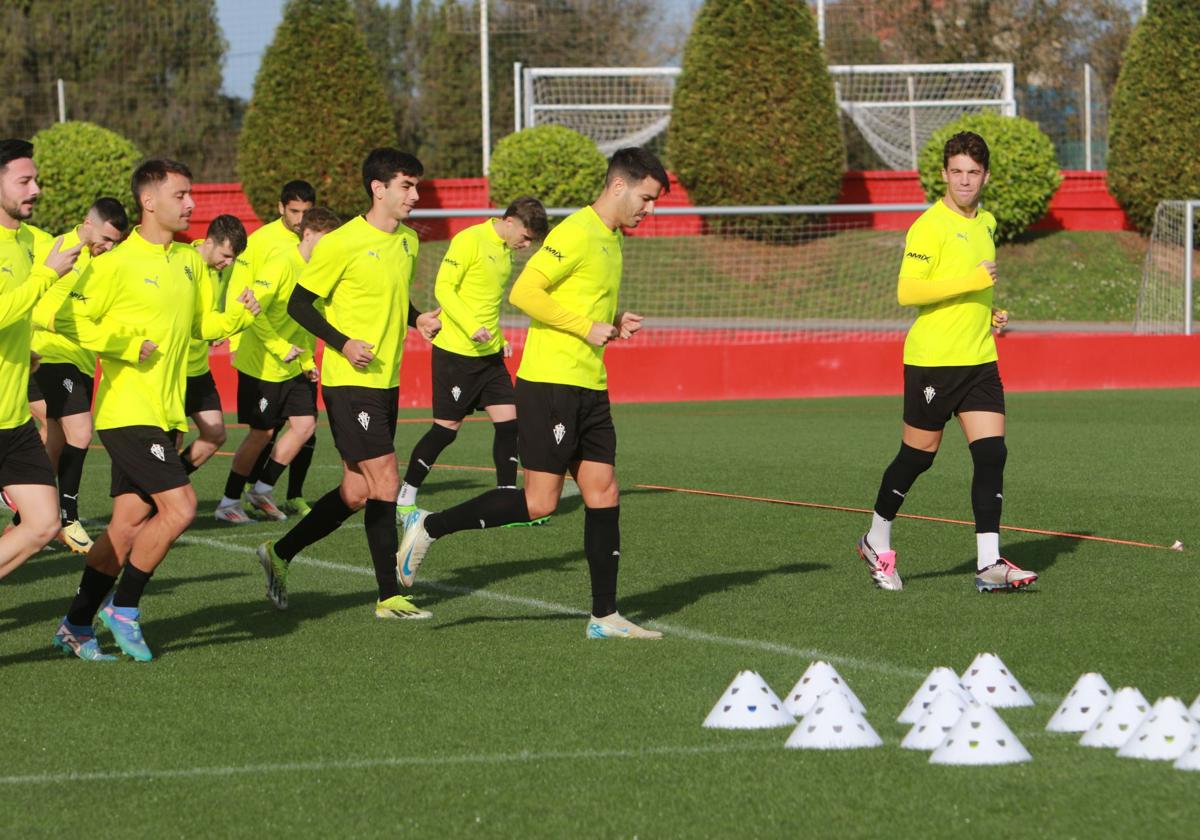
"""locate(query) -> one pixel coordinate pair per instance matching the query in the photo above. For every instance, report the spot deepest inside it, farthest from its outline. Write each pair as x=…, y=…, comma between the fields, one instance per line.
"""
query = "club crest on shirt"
x=158, y=452
x=262, y=405
x=560, y=431
x=929, y=394
x=456, y=392
x=69, y=385
x=364, y=419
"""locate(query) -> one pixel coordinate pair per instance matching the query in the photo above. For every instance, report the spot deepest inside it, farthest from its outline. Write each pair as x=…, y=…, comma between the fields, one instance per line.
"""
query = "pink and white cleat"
x=882, y=565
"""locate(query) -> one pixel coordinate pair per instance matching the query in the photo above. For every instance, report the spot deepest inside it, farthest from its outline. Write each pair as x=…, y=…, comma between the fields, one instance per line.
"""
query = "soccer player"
x=469, y=352
x=65, y=374
x=26, y=476
x=277, y=377
x=139, y=307
x=362, y=271
x=295, y=199
x=949, y=272
x=224, y=240
x=569, y=290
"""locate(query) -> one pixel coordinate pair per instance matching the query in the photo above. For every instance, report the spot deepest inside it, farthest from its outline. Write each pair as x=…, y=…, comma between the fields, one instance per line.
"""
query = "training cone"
x=1113, y=728
x=938, y=681
x=992, y=684
x=748, y=703
x=818, y=678
x=833, y=723
x=1190, y=760
x=1163, y=735
x=1084, y=703
x=980, y=737
x=937, y=721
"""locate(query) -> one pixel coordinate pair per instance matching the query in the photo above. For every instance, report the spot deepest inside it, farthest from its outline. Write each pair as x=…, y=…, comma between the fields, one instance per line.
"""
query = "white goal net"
x=896, y=107
x=1166, y=300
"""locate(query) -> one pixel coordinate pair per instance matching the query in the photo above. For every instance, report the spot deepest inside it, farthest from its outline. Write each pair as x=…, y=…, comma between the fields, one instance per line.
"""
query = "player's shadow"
x=1036, y=555
x=466, y=580
x=46, y=565
x=673, y=597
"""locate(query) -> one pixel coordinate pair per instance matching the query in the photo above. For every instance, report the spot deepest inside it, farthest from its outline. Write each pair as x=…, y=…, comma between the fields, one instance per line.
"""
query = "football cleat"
x=232, y=513
x=402, y=512
x=125, y=625
x=882, y=565
x=1003, y=575
x=264, y=503
x=276, y=570
x=413, y=547
x=533, y=523
x=296, y=506
x=80, y=641
x=616, y=626
x=400, y=607
x=74, y=537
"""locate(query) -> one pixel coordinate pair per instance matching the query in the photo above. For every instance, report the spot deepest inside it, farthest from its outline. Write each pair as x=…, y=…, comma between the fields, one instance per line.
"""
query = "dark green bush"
x=1154, y=121
x=556, y=165
x=1024, y=169
x=754, y=119
x=319, y=106
x=79, y=162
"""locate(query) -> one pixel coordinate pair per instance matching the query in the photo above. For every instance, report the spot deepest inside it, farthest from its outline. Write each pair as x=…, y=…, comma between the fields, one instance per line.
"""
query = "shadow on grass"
x=483, y=575
x=1036, y=555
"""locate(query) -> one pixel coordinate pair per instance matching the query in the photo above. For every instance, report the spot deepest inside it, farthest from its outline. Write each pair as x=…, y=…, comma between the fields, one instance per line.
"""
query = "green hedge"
x=552, y=163
x=1025, y=173
x=754, y=119
x=1154, y=121
x=77, y=163
x=319, y=106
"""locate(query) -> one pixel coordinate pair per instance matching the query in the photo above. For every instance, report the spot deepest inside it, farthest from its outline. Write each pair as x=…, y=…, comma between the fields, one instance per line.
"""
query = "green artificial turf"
x=498, y=719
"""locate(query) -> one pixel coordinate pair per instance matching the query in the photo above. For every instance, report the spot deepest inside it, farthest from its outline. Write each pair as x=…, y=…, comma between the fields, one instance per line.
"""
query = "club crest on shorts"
x=929, y=394
x=364, y=419
x=456, y=392
x=69, y=385
x=157, y=451
x=262, y=405
x=560, y=431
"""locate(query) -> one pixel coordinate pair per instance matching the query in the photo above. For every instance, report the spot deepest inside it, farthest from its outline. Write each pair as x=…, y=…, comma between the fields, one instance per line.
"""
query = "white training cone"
x=1085, y=702
x=748, y=703
x=939, y=718
x=1113, y=728
x=992, y=684
x=1164, y=735
x=1190, y=760
x=980, y=737
x=939, y=680
x=1194, y=709
x=818, y=678
x=833, y=723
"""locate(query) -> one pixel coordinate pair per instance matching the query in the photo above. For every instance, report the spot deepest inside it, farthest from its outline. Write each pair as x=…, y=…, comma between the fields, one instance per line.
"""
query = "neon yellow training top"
x=470, y=285
x=52, y=347
x=274, y=333
x=260, y=246
x=210, y=288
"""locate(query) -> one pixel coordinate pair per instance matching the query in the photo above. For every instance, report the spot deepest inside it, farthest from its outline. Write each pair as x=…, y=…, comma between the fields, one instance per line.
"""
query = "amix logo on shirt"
x=914, y=255
x=556, y=254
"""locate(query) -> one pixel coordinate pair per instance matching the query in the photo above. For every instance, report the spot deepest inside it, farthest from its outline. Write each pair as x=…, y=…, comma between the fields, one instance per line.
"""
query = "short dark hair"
x=14, y=149
x=967, y=143
x=110, y=211
x=229, y=230
x=298, y=191
x=320, y=219
x=635, y=164
x=385, y=164
x=529, y=212
x=155, y=171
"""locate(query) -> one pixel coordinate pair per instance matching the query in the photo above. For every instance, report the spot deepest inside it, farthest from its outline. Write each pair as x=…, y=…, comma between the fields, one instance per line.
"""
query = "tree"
x=754, y=120
x=77, y=163
x=319, y=106
x=150, y=71
x=449, y=110
x=1155, y=114
x=388, y=31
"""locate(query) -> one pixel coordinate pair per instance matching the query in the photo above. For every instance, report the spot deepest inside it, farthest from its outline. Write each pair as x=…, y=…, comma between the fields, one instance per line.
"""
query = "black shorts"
x=932, y=395
x=23, y=457
x=34, y=392
x=362, y=420
x=463, y=384
x=65, y=388
x=267, y=405
x=558, y=425
x=144, y=461
x=201, y=394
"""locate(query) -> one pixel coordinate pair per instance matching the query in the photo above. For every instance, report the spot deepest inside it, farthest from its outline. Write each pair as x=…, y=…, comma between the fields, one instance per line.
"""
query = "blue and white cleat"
x=616, y=626
x=413, y=547
x=80, y=640
x=124, y=624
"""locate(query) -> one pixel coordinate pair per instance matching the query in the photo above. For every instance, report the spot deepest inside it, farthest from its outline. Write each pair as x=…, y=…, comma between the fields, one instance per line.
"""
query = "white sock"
x=262, y=489
x=880, y=535
x=227, y=502
x=988, y=546
x=408, y=495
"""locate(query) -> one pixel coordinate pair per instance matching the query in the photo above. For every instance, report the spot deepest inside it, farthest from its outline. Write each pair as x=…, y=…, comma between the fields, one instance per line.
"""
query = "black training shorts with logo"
x=65, y=389
x=463, y=384
x=266, y=405
x=558, y=425
x=932, y=395
x=362, y=420
x=23, y=458
x=144, y=461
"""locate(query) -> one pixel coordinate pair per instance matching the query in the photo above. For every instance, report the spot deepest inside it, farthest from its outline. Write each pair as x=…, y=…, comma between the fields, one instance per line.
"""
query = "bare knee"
x=540, y=504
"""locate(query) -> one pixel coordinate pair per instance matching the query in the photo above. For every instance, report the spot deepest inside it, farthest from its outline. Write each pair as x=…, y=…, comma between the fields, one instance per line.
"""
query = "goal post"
x=1166, y=299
